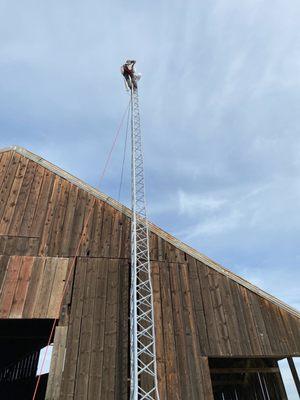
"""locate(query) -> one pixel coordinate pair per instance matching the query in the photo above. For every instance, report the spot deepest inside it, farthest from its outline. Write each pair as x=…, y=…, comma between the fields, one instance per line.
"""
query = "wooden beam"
x=57, y=363
x=294, y=373
x=251, y=370
x=228, y=383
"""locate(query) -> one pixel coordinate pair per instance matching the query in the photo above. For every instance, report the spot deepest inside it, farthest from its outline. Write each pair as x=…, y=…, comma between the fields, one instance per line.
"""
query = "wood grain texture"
x=22, y=198
x=4, y=164
x=9, y=179
x=160, y=344
x=21, y=290
x=32, y=287
x=58, y=285
x=97, y=342
x=14, y=194
x=57, y=363
x=24, y=225
x=9, y=285
x=74, y=330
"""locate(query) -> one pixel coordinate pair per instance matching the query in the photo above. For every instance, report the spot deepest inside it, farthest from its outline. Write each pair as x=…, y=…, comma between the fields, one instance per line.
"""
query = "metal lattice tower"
x=142, y=335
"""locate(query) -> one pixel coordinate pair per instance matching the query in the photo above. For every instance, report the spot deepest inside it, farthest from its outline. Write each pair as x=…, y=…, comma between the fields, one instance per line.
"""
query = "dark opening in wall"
x=246, y=379
x=20, y=343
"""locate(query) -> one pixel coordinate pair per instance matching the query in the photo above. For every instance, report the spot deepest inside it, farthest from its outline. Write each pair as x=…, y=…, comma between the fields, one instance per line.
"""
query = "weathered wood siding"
x=31, y=287
x=97, y=341
x=42, y=214
x=199, y=312
x=57, y=363
x=214, y=316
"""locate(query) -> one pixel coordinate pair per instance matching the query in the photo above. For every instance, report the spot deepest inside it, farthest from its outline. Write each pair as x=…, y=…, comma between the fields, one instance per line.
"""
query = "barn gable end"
x=203, y=311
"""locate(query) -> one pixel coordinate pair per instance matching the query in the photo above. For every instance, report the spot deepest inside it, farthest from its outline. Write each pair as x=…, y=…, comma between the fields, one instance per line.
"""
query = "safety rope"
x=83, y=233
x=124, y=155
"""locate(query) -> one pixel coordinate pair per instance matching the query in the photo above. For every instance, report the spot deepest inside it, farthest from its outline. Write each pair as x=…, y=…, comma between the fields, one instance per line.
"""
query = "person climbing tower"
x=130, y=75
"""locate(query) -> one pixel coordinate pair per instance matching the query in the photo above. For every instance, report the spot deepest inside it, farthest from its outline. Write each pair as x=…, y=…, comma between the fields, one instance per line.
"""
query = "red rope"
x=113, y=145
x=77, y=250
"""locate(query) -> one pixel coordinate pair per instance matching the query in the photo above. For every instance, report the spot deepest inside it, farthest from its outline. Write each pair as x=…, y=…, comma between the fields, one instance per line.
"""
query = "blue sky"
x=220, y=107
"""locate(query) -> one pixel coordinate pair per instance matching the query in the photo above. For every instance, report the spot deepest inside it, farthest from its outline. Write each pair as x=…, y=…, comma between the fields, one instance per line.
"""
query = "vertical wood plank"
x=160, y=248
x=153, y=246
x=78, y=221
x=97, y=345
x=116, y=235
x=43, y=295
x=271, y=328
x=250, y=321
x=206, y=380
x=73, y=338
x=58, y=286
x=198, y=306
x=8, y=182
x=64, y=316
x=173, y=387
x=44, y=205
x=106, y=231
x=242, y=330
x=193, y=342
x=28, y=215
x=293, y=335
x=55, y=236
x=122, y=349
x=160, y=347
x=219, y=313
x=84, y=354
x=180, y=328
x=57, y=363
x=3, y=269
x=259, y=322
x=9, y=285
x=97, y=228
x=89, y=227
x=4, y=165
x=211, y=324
x=22, y=287
x=13, y=196
x=22, y=199
x=68, y=221
x=110, y=335
x=294, y=325
x=230, y=314
x=34, y=287
x=125, y=245
x=48, y=222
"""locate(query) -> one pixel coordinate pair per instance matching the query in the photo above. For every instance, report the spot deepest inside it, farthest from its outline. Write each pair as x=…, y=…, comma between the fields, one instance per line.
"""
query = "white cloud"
x=213, y=226
x=191, y=204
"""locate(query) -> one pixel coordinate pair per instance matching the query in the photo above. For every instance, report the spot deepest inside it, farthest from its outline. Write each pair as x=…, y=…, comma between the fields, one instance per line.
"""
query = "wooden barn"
x=218, y=336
